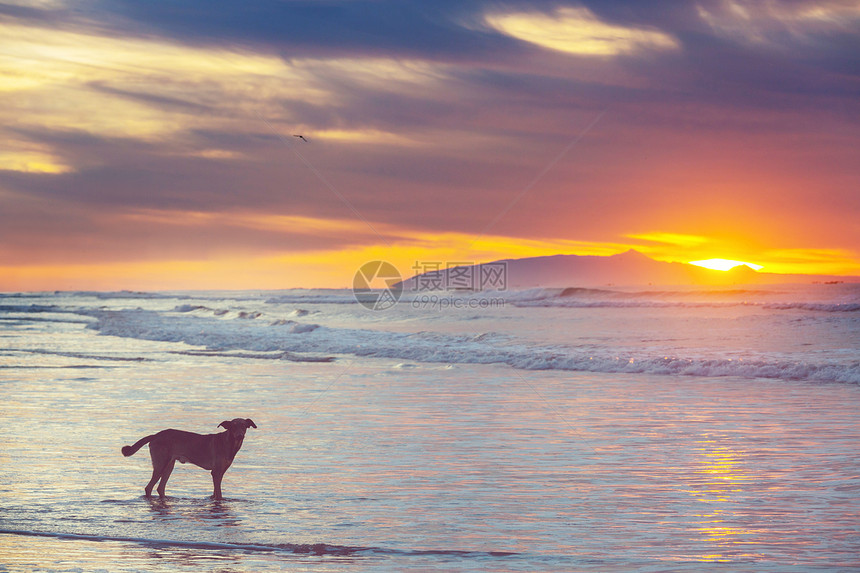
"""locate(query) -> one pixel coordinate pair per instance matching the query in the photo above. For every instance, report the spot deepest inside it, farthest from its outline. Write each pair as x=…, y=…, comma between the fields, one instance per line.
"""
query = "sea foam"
x=485, y=348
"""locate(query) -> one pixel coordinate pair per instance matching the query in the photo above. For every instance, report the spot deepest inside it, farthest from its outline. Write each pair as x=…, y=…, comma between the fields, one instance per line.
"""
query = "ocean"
x=614, y=429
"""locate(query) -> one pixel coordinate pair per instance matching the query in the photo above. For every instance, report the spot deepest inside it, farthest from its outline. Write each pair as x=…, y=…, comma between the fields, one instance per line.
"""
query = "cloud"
x=363, y=29
x=675, y=239
x=35, y=161
x=114, y=235
x=578, y=31
x=780, y=24
x=131, y=87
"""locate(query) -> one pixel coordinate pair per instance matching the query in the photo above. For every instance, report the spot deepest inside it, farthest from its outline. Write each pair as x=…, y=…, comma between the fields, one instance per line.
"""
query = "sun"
x=723, y=264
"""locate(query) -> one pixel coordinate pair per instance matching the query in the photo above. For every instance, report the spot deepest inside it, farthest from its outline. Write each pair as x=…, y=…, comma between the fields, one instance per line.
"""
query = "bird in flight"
x=302, y=137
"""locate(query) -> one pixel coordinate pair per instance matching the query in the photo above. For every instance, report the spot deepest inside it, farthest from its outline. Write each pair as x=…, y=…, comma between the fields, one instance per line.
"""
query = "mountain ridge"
x=630, y=268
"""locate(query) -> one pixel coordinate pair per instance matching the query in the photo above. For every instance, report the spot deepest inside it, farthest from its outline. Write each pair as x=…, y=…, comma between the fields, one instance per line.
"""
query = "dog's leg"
x=165, y=474
x=156, y=473
x=160, y=459
x=216, y=481
x=157, y=469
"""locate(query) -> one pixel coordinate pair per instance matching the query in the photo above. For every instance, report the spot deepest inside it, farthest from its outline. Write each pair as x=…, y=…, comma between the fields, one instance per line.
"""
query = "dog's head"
x=237, y=427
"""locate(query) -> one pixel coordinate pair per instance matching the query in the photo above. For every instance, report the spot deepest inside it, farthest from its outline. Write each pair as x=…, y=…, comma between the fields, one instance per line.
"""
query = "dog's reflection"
x=216, y=512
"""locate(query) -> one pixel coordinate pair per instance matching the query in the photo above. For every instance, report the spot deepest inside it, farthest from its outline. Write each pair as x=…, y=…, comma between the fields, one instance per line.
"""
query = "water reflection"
x=721, y=481
x=209, y=512
x=190, y=558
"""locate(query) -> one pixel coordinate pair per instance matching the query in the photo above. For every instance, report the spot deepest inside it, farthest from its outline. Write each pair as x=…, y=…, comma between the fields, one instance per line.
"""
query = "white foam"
x=189, y=308
x=432, y=347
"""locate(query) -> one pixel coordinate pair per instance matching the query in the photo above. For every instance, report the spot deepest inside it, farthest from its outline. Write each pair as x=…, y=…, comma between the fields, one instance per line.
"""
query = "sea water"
x=613, y=429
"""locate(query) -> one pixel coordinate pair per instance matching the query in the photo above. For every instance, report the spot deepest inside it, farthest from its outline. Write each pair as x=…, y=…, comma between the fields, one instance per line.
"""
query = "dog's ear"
x=250, y=422
x=226, y=424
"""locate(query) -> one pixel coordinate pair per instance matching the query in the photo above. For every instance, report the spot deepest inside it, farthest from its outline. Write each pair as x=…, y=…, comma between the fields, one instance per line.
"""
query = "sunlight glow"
x=364, y=137
x=31, y=162
x=724, y=264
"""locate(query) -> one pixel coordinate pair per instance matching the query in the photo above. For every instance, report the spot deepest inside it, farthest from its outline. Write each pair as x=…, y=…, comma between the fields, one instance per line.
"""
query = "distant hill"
x=625, y=269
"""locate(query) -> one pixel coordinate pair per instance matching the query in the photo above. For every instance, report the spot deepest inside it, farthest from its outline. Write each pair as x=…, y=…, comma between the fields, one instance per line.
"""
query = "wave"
x=17, y=320
x=566, y=303
x=319, y=549
x=246, y=315
x=335, y=297
x=807, y=306
x=277, y=355
x=601, y=298
x=42, y=367
x=295, y=327
x=83, y=355
x=815, y=306
x=31, y=308
x=569, y=297
x=126, y=294
x=190, y=308
x=301, y=549
x=249, y=315
x=487, y=348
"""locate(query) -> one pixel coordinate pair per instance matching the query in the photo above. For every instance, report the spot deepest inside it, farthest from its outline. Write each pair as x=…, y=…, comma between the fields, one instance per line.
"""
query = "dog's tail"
x=130, y=450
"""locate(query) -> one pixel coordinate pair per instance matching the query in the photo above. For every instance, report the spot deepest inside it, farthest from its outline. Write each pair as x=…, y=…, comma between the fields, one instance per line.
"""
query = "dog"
x=213, y=452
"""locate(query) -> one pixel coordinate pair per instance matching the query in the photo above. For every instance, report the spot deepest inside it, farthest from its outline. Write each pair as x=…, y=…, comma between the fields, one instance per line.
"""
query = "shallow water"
x=368, y=463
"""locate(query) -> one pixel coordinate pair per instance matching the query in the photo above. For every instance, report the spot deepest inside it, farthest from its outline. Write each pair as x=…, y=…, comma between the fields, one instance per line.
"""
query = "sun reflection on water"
x=720, y=482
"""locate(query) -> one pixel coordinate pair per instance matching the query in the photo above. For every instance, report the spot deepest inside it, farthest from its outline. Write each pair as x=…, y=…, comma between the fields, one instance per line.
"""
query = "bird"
x=302, y=137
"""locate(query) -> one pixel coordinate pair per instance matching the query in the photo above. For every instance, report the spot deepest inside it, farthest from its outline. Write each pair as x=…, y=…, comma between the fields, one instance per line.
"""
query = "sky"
x=150, y=144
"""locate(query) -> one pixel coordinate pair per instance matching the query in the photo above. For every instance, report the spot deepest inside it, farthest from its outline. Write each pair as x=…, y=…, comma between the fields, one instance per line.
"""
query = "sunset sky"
x=149, y=144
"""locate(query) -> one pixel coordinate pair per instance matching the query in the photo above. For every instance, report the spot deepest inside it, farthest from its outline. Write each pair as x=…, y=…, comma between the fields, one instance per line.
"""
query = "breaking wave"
x=815, y=306
x=575, y=297
x=486, y=348
x=603, y=298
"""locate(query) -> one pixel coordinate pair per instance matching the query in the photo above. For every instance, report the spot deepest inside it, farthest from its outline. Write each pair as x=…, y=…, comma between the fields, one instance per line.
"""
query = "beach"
x=615, y=430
